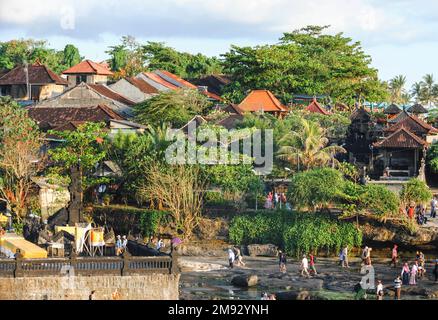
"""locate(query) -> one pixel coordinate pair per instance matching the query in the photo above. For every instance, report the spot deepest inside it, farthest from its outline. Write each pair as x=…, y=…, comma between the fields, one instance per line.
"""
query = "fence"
x=88, y=266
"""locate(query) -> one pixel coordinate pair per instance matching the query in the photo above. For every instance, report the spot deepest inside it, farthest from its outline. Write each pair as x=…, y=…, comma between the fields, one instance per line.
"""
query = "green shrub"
x=415, y=190
x=379, y=200
x=124, y=219
x=315, y=187
x=296, y=232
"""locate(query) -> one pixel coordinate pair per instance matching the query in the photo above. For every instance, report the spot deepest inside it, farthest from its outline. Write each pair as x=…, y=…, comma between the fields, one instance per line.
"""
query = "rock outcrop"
x=264, y=250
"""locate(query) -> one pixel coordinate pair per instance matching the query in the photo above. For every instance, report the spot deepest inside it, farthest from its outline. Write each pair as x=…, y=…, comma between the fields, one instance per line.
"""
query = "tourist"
x=413, y=275
x=394, y=256
x=397, y=287
x=379, y=290
x=305, y=267
x=264, y=296
x=239, y=257
x=160, y=244
x=364, y=255
x=231, y=258
x=411, y=211
x=272, y=297
x=268, y=203
x=119, y=247
x=124, y=243
x=341, y=257
x=405, y=274
x=282, y=261
x=421, y=265
x=276, y=199
x=368, y=256
x=312, y=264
x=433, y=205
x=345, y=257
x=435, y=271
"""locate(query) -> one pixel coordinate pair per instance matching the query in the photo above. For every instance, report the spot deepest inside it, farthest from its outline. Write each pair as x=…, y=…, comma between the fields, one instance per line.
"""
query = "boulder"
x=293, y=295
x=245, y=281
x=266, y=250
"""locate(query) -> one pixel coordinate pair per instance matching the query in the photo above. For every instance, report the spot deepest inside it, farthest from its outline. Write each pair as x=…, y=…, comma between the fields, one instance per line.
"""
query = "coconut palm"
x=429, y=89
x=307, y=147
x=397, y=89
x=417, y=92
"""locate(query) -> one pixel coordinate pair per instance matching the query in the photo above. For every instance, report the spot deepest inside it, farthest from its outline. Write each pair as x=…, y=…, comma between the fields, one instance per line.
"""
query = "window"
x=81, y=78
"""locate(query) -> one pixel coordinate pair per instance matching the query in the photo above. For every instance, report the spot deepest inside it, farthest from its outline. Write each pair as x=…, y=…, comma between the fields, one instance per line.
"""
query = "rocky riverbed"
x=208, y=278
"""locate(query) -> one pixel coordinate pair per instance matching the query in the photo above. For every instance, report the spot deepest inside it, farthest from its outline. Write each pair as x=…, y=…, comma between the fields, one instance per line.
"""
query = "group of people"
x=410, y=275
x=235, y=257
x=156, y=243
x=276, y=200
x=418, y=212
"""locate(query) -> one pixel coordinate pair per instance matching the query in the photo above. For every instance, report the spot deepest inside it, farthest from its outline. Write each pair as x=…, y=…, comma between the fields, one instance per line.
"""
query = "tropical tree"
x=20, y=157
x=71, y=56
x=307, y=148
x=417, y=92
x=176, y=107
x=397, y=89
x=429, y=89
x=305, y=61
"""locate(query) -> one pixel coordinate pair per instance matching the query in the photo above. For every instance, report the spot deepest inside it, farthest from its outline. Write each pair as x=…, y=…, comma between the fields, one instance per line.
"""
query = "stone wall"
x=136, y=287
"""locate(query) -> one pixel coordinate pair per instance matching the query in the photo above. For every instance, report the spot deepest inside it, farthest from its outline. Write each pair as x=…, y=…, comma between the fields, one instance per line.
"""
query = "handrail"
x=88, y=266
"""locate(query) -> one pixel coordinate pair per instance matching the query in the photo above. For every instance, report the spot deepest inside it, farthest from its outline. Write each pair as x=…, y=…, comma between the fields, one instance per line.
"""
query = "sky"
x=399, y=35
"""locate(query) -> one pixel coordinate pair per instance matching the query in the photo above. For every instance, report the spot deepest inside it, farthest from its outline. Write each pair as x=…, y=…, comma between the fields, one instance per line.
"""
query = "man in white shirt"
x=305, y=267
x=231, y=257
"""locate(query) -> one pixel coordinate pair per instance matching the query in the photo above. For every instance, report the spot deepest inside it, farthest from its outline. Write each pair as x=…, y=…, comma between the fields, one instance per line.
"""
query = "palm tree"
x=429, y=89
x=417, y=92
x=397, y=88
x=307, y=147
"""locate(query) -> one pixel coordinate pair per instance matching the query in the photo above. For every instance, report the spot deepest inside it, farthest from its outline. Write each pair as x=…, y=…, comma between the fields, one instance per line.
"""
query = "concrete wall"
x=131, y=92
x=52, y=199
x=136, y=287
x=50, y=91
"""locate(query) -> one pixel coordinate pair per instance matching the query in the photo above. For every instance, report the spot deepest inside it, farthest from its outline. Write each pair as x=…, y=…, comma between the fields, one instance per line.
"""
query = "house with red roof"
x=89, y=72
x=163, y=80
x=263, y=101
x=315, y=107
x=35, y=82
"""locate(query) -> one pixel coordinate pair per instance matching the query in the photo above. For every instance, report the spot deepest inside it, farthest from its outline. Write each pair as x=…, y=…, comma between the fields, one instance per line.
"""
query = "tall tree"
x=305, y=61
x=397, y=89
x=20, y=157
x=430, y=89
x=71, y=56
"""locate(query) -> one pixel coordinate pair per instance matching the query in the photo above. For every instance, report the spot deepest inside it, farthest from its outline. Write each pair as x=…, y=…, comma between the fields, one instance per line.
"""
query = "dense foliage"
x=173, y=107
x=17, y=52
x=306, y=61
x=296, y=232
x=416, y=191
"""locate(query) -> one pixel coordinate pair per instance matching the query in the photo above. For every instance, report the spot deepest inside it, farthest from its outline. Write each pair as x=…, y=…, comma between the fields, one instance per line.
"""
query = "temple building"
x=263, y=101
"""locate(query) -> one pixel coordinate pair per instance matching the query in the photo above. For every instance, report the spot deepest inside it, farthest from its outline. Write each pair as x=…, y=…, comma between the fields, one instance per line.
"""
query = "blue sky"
x=400, y=35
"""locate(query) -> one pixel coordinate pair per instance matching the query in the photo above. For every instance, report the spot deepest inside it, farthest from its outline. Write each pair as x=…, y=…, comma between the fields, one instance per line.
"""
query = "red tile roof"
x=142, y=85
x=38, y=74
x=402, y=138
x=261, y=100
x=315, y=107
x=172, y=81
x=107, y=92
x=413, y=124
x=89, y=67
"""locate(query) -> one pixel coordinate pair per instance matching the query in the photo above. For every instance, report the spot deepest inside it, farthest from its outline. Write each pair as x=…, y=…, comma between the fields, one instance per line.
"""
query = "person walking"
x=124, y=243
x=433, y=205
x=397, y=287
x=421, y=265
x=413, y=275
x=231, y=258
x=312, y=264
x=345, y=257
x=368, y=256
x=405, y=274
x=305, y=267
x=160, y=244
x=364, y=255
x=379, y=290
x=394, y=256
x=282, y=261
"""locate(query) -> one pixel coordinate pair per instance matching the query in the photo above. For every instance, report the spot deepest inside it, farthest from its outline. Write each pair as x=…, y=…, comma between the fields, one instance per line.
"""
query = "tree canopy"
x=305, y=61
